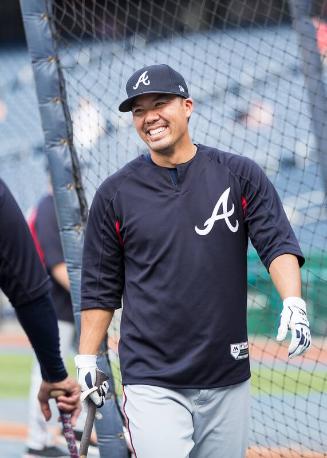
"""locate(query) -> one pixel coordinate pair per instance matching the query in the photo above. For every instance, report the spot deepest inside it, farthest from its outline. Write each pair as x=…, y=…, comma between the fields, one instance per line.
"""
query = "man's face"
x=161, y=120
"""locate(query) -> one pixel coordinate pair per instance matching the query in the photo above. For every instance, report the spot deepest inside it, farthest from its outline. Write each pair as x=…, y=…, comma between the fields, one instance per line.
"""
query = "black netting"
x=243, y=65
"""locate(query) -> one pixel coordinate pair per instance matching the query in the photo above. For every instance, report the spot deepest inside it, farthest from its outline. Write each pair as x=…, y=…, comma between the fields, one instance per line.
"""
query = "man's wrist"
x=58, y=375
x=295, y=301
x=85, y=361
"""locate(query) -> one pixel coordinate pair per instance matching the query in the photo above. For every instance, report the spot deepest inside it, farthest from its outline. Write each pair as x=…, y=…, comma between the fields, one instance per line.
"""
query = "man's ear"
x=189, y=105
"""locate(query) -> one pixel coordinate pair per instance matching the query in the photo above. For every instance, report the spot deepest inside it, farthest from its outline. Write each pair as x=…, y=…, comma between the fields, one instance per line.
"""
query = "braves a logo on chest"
x=222, y=203
x=144, y=79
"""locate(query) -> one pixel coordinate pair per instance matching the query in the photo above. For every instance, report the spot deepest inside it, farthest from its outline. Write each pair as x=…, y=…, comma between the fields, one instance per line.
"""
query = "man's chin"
x=160, y=147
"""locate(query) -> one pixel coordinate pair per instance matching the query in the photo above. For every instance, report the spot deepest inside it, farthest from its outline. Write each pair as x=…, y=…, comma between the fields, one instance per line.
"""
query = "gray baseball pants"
x=188, y=423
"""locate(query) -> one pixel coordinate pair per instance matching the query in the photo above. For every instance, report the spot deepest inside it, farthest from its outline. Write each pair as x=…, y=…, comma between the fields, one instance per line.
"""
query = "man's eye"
x=158, y=104
x=137, y=112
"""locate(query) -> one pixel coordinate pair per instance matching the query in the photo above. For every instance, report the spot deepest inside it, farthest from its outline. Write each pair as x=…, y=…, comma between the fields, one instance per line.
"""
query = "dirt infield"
x=16, y=341
x=18, y=431
x=9, y=430
x=268, y=349
x=261, y=348
x=262, y=452
x=12, y=336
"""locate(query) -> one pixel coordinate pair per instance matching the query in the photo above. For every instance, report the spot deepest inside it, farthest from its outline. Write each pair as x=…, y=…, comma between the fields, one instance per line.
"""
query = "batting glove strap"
x=294, y=318
x=87, y=393
x=86, y=374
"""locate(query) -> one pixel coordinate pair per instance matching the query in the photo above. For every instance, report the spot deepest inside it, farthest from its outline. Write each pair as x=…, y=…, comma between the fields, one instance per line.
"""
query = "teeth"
x=156, y=131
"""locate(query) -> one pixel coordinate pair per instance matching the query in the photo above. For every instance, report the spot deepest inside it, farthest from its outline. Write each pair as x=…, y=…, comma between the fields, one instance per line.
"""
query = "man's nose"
x=151, y=116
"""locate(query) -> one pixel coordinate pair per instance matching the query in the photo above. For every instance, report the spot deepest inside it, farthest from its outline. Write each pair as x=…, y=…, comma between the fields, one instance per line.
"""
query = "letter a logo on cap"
x=144, y=78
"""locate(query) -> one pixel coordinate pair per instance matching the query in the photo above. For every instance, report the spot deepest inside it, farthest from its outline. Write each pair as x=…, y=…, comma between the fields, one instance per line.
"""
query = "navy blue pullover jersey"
x=176, y=252
x=22, y=276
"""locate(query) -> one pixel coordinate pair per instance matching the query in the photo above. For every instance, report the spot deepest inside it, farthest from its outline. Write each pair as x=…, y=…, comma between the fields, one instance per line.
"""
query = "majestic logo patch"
x=181, y=88
x=144, y=79
x=239, y=350
x=222, y=202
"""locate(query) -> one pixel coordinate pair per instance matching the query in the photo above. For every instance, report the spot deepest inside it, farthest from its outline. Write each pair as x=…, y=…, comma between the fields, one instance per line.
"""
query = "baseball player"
x=168, y=234
x=24, y=281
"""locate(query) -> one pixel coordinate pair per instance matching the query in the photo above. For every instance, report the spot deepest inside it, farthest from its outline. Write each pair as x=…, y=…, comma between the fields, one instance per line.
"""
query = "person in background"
x=26, y=284
x=45, y=231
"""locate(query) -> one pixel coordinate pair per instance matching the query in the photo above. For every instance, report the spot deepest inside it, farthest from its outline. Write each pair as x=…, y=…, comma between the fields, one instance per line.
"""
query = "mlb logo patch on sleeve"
x=239, y=350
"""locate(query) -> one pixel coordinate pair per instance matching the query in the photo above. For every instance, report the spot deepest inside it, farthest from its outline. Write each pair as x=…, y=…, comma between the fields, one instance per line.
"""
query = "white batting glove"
x=294, y=318
x=86, y=375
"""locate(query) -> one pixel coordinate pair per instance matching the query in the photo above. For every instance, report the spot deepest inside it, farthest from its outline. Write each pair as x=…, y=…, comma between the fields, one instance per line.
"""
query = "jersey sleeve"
x=48, y=233
x=102, y=268
x=22, y=276
x=269, y=229
x=39, y=321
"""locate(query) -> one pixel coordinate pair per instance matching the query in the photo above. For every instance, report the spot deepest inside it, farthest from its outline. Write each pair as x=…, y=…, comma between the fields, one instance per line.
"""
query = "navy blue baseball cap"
x=154, y=79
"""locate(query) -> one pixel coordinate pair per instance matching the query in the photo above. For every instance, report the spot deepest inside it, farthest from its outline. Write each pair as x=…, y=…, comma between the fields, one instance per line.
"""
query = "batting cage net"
x=17, y=128
x=256, y=73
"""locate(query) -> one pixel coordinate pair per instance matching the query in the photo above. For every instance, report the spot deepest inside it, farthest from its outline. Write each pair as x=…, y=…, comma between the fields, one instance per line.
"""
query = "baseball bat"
x=91, y=410
x=67, y=426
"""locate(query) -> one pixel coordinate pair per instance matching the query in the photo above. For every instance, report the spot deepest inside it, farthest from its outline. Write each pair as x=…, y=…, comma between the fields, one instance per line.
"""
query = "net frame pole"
x=69, y=198
x=313, y=74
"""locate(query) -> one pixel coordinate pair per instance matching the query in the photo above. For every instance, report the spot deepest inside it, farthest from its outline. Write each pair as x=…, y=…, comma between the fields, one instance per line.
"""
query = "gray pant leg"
x=166, y=423
x=159, y=421
x=221, y=421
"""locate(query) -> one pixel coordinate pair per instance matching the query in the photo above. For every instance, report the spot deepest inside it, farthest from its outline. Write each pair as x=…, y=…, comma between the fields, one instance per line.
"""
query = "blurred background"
x=258, y=78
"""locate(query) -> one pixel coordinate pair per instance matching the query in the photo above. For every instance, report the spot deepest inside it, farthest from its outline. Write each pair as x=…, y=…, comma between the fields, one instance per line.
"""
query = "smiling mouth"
x=157, y=131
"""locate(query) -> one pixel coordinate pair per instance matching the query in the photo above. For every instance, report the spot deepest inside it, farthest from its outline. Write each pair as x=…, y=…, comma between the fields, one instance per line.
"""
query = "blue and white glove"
x=86, y=375
x=294, y=318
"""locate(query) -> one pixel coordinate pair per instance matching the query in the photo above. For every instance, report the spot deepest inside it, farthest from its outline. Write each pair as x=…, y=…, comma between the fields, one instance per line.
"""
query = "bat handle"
x=91, y=411
x=85, y=440
x=67, y=426
x=69, y=434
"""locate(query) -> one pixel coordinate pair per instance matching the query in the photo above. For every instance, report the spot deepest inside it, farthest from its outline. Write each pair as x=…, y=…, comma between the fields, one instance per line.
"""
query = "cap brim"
x=127, y=104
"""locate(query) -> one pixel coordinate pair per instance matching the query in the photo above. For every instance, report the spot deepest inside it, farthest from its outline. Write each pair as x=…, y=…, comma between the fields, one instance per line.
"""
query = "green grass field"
x=16, y=369
x=277, y=382
x=15, y=374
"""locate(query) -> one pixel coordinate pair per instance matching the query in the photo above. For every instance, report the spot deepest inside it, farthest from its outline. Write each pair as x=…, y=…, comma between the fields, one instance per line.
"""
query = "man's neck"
x=174, y=158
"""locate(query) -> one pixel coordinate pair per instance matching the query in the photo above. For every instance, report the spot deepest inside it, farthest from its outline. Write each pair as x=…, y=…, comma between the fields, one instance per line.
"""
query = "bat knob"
x=56, y=393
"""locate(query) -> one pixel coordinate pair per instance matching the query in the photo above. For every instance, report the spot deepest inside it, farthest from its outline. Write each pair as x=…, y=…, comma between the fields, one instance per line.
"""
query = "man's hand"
x=69, y=403
x=86, y=374
x=294, y=318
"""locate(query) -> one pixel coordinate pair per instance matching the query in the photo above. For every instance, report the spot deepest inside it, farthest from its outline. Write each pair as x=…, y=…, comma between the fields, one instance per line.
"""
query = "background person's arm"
x=60, y=274
x=39, y=321
x=25, y=283
x=49, y=238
